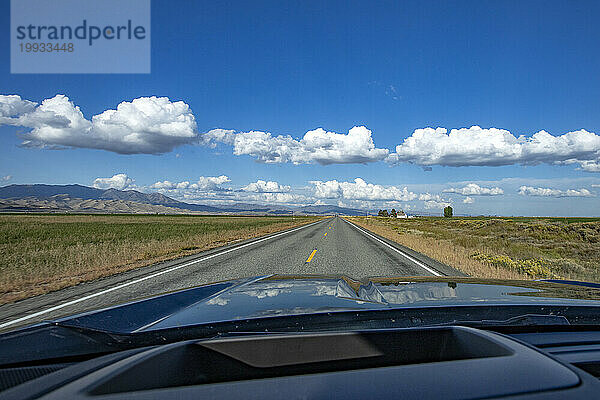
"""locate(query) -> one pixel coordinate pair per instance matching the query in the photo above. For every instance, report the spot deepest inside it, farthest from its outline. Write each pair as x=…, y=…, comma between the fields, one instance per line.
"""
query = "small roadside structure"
x=401, y=214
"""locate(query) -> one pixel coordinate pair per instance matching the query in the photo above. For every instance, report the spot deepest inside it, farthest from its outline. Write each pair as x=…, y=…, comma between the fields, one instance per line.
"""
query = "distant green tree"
x=448, y=212
x=380, y=213
x=385, y=213
x=393, y=213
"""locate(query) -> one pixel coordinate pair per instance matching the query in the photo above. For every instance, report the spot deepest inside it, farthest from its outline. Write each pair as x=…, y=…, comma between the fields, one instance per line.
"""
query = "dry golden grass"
x=42, y=253
x=505, y=248
x=441, y=250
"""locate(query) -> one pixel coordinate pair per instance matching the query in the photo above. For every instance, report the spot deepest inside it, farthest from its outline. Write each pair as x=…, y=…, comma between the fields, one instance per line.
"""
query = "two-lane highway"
x=345, y=249
x=332, y=246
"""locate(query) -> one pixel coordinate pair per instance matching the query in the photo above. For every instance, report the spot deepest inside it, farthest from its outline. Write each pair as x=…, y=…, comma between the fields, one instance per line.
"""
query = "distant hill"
x=134, y=195
x=72, y=198
x=40, y=191
x=64, y=203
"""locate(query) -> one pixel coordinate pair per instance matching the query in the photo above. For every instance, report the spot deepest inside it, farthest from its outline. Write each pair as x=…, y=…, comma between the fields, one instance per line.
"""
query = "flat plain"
x=501, y=247
x=42, y=253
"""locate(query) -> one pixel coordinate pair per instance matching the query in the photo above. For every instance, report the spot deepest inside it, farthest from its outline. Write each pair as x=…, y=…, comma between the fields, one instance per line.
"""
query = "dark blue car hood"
x=274, y=296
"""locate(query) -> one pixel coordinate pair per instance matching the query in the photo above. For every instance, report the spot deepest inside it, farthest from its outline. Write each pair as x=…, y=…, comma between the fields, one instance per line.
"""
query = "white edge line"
x=419, y=263
x=84, y=298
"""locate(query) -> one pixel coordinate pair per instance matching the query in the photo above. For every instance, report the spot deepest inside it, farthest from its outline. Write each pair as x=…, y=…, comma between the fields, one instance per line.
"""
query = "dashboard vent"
x=10, y=377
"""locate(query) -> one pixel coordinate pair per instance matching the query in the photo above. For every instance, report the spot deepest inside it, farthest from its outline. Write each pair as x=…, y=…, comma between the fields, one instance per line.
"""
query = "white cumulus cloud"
x=468, y=200
x=588, y=166
x=548, y=192
x=149, y=125
x=432, y=197
x=118, y=181
x=156, y=125
x=316, y=146
x=212, y=182
x=12, y=107
x=6, y=178
x=204, y=183
x=261, y=186
x=360, y=190
x=476, y=146
x=276, y=198
x=472, y=189
x=433, y=204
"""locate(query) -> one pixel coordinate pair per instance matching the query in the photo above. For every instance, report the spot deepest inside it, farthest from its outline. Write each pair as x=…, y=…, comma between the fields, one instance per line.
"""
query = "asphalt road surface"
x=332, y=246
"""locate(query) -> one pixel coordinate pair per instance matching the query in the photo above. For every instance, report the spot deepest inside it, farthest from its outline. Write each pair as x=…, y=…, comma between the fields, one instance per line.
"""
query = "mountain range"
x=79, y=198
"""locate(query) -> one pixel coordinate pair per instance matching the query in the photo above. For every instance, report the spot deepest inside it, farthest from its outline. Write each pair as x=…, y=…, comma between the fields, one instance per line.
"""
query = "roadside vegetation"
x=42, y=253
x=503, y=248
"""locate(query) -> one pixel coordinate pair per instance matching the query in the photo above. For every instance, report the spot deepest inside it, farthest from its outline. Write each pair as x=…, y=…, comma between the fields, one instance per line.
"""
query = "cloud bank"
x=436, y=205
x=261, y=186
x=204, y=183
x=472, y=189
x=360, y=190
x=211, y=189
x=216, y=190
x=358, y=194
x=156, y=125
x=548, y=192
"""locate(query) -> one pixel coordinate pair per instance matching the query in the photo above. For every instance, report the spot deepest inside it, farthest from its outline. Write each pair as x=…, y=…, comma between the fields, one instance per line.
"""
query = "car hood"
x=277, y=295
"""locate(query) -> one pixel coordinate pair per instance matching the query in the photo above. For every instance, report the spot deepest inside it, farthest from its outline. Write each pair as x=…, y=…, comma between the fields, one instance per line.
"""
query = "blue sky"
x=287, y=68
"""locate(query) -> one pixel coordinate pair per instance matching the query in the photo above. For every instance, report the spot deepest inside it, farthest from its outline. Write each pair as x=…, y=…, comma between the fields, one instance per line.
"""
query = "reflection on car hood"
x=279, y=295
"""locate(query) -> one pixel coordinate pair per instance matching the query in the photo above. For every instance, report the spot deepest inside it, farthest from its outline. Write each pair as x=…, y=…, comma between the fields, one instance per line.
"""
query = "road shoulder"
x=436, y=265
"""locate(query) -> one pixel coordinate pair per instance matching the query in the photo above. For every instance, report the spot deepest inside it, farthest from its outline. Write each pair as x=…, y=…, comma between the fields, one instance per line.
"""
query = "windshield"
x=325, y=156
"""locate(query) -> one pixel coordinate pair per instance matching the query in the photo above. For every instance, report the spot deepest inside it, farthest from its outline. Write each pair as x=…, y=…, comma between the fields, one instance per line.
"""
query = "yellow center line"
x=311, y=255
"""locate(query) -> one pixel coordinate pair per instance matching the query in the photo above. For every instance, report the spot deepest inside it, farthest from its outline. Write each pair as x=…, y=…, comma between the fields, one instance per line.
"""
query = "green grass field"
x=40, y=253
x=496, y=247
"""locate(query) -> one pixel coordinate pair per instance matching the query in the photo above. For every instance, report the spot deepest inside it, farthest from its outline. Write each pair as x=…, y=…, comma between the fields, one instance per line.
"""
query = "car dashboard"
x=451, y=362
